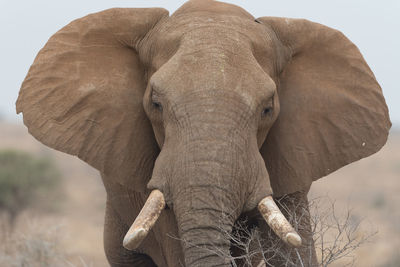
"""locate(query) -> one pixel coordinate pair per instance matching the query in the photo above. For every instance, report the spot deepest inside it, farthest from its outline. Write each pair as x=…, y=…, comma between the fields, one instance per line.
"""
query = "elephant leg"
x=296, y=210
x=117, y=255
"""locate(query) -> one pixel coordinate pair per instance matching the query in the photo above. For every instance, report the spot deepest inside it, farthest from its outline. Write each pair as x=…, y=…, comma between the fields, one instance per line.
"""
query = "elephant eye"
x=266, y=111
x=157, y=105
x=257, y=21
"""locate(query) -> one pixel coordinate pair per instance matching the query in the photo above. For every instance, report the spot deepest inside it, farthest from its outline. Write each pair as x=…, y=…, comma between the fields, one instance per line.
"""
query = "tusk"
x=146, y=219
x=278, y=223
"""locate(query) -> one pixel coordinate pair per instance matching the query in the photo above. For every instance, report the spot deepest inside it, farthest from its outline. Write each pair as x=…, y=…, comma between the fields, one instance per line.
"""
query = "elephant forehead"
x=210, y=6
x=207, y=31
x=213, y=73
x=188, y=76
x=202, y=26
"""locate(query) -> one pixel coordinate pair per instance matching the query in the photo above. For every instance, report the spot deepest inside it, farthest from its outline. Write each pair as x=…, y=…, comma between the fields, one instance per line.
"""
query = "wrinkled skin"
x=210, y=129
x=212, y=108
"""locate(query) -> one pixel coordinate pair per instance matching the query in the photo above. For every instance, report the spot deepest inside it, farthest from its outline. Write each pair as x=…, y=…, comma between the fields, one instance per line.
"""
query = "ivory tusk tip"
x=133, y=238
x=293, y=239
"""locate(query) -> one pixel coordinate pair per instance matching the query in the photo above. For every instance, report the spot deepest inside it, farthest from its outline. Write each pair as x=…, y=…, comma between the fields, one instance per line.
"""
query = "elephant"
x=200, y=118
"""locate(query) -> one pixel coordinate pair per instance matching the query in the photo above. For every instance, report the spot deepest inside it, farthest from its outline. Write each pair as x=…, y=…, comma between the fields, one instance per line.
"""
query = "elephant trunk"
x=208, y=194
x=209, y=182
x=204, y=231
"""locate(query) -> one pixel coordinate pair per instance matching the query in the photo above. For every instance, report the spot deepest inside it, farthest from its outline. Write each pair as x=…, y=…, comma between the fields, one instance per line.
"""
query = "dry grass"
x=37, y=246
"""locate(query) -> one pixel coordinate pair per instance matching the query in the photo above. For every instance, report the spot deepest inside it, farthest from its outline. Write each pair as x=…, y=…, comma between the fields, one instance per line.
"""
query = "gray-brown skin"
x=184, y=104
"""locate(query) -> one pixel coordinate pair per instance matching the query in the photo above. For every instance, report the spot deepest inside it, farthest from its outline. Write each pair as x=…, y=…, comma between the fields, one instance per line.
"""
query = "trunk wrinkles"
x=208, y=200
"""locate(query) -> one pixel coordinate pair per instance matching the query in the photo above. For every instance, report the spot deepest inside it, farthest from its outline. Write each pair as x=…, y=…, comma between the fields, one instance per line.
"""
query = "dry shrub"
x=336, y=238
x=336, y=235
x=38, y=246
x=24, y=179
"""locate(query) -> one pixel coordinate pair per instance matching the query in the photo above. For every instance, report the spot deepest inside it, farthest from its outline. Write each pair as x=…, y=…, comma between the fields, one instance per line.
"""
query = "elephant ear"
x=332, y=108
x=83, y=94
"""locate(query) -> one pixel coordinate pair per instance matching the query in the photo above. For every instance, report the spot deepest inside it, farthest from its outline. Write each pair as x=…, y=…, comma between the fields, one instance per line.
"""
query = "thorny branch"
x=335, y=238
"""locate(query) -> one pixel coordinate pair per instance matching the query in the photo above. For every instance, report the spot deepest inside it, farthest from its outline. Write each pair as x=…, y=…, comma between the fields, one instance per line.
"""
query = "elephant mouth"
x=156, y=203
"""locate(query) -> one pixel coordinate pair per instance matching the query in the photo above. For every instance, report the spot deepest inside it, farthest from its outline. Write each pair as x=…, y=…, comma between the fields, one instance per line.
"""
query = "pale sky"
x=374, y=26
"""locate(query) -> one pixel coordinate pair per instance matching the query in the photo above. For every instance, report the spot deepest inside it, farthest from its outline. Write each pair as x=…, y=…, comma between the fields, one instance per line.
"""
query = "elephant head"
x=211, y=110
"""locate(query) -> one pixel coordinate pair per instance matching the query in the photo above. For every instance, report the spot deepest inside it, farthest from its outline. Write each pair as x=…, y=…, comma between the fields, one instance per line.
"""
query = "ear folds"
x=83, y=94
x=332, y=108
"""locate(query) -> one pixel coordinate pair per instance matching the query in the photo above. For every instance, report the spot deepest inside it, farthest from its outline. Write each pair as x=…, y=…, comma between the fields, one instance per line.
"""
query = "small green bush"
x=23, y=178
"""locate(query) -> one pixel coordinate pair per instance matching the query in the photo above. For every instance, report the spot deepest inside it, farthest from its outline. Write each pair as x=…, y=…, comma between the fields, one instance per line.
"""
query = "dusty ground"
x=370, y=188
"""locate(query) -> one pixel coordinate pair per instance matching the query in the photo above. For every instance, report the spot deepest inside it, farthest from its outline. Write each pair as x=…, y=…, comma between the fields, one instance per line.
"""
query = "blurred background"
x=52, y=204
